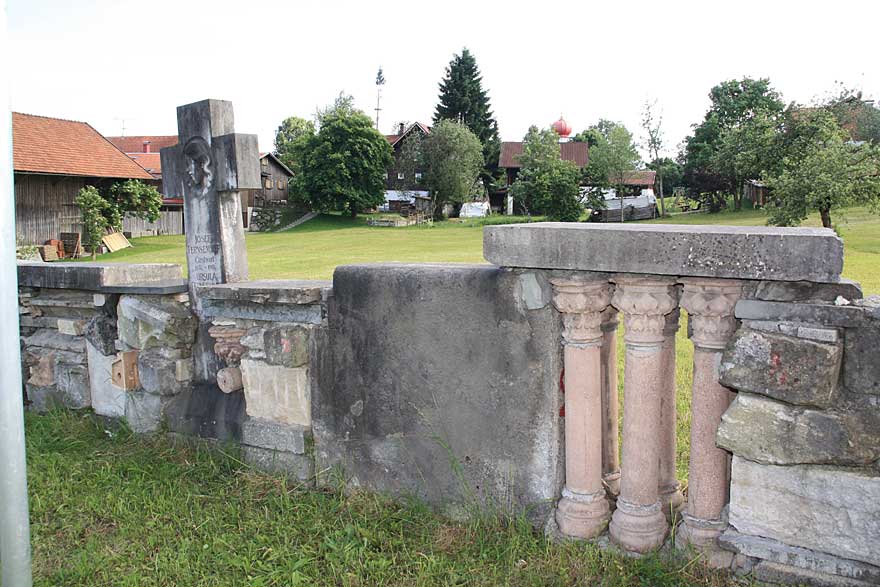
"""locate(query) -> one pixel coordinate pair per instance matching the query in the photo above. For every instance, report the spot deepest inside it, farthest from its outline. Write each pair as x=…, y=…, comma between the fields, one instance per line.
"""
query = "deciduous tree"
x=452, y=158
x=821, y=170
x=545, y=183
x=343, y=165
x=613, y=155
x=290, y=138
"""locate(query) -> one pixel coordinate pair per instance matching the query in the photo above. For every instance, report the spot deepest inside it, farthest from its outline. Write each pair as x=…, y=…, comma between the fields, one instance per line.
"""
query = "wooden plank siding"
x=170, y=222
x=44, y=206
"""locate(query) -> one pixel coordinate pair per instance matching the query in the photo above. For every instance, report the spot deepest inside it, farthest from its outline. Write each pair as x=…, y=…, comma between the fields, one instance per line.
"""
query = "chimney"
x=400, y=128
x=146, y=146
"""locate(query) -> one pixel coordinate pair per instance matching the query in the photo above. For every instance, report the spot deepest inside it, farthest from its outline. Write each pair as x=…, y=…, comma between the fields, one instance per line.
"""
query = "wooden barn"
x=52, y=160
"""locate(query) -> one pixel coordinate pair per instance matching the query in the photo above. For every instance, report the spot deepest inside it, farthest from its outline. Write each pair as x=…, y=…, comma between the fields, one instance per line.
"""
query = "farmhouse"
x=403, y=183
x=52, y=160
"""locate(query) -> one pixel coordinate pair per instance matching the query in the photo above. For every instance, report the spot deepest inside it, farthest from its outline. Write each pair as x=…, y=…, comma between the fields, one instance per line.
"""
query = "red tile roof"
x=642, y=178
x=65, y=147
x=576, y=152
x=136, y=144
x=149, y=161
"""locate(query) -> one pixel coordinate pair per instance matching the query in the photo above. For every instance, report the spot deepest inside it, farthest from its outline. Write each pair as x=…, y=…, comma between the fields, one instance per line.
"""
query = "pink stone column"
x=638, y=524
x=710, y=304
x=610, y=404
x=583, y=511
x=669, y=488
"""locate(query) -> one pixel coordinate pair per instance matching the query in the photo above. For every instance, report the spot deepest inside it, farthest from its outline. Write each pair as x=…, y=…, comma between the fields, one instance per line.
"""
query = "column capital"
x=645, y=301
x=581, y=300
x=710, y=304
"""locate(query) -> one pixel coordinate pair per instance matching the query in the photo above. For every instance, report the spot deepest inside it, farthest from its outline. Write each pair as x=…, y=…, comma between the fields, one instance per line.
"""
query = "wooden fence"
x=170, y=222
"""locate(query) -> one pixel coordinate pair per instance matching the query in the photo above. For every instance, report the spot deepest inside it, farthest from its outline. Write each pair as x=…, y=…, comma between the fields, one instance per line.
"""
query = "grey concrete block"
x=237, y=159
x=159, y=322
x=801, y=558
x=861, y=360
x=52, y=339
x=295, y=466
x=270, y=291
x=144, y=412
x=739, y=252
x=830, y=510
x=93, y=276
x=779, y=573
x=72, y=382
x=815, y=314
x=443, y=384
x=43, y=398
x=107, y=399
x=802, y=291
x=793, y=370
x=771, y=432
x=274, y=436
x=287, y=346
x=158, y=374
x=308, y=314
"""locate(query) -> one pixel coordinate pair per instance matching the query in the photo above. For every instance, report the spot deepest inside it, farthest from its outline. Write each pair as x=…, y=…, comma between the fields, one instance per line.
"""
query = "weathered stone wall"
x=444, y=382
x=804, y=431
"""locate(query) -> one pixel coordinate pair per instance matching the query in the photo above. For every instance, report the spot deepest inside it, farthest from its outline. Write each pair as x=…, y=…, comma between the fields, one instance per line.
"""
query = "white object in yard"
x=510, y=205
x=474, y=210
x=643, y=200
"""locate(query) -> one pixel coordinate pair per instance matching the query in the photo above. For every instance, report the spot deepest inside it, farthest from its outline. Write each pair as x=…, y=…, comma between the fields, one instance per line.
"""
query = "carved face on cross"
x=198, y=161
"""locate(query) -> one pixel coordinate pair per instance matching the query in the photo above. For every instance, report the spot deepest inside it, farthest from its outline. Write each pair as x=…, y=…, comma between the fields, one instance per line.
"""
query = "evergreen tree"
x=463, y=99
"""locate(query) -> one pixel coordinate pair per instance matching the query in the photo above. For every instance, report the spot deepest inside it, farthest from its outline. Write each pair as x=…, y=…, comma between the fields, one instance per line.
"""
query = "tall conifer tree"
x=463, y=99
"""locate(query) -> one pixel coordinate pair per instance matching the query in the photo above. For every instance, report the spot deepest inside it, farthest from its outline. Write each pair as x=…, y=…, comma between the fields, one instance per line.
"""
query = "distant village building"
x=639, y=201
x=52, y=160
x=404, y=186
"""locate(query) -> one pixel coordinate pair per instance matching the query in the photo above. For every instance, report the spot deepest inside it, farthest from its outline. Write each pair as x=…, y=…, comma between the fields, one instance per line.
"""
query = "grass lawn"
x=314, y=249
x=132, y=511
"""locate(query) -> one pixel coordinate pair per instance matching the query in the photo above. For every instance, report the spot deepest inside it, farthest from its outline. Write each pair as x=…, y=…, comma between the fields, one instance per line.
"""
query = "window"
x=268, y=183
x=280, y=184
x=418, y=176
x=264, y=162
x=400, y=175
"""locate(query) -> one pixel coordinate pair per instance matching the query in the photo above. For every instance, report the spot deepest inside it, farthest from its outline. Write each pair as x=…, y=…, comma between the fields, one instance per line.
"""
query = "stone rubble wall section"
x=804, y=431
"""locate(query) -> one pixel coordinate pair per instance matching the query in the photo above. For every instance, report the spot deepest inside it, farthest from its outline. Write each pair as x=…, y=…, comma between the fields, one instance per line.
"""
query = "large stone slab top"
x=737, y=252
x=94, y=276
x=270, y=291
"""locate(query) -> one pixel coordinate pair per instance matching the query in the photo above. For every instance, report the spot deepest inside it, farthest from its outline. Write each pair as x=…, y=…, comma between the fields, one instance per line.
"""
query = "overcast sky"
x=109, y=61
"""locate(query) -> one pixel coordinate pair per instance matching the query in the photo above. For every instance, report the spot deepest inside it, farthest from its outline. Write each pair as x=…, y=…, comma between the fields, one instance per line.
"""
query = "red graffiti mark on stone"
x=776, y=369
x=285, y=345
x=562, y=390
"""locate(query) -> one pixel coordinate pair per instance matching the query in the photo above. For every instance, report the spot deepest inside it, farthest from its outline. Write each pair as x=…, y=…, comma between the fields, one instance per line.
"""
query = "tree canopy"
x=740, y=112
x=545, y=183
x=821, y=169
x=105, y=211
x=342, y=166
x=613, y=156
x=452, y=158
x=463, y=99
x=291, y=136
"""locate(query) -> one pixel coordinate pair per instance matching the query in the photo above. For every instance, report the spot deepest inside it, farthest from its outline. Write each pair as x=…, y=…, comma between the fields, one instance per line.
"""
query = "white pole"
x=15, y=543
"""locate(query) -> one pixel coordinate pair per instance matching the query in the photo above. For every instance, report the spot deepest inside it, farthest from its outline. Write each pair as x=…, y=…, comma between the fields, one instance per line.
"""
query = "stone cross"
x=209, y=167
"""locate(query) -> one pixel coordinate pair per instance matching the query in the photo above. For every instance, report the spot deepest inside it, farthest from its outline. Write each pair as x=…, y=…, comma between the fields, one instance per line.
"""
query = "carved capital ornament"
x=710, y=304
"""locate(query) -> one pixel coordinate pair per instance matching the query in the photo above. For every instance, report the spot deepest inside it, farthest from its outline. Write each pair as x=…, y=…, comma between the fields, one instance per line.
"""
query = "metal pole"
x=15, y=543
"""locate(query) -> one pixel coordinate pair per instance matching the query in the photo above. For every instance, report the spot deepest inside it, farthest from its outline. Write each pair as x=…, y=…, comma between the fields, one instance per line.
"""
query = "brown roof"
x=576, y=152
x=65, y=147
x=149, y=161
x=136, y=144
x=643, y=178
x=393, y=139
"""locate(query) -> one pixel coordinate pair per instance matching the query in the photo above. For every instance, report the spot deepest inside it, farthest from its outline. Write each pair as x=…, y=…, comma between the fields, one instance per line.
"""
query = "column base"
x=638, y=528
x=611, y=481
x=582, y=515
x=671, y=501
x=700, y=533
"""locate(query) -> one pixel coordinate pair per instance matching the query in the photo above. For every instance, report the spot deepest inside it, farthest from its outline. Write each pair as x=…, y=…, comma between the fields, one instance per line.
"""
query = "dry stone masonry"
x=498, y=384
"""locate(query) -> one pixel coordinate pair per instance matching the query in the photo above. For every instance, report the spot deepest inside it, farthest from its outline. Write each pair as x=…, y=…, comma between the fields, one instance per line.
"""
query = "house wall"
x=44, y=205
x=272, y=173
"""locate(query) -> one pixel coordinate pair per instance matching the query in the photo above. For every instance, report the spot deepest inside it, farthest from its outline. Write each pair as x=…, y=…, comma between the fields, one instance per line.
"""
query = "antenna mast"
x=380, y=81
